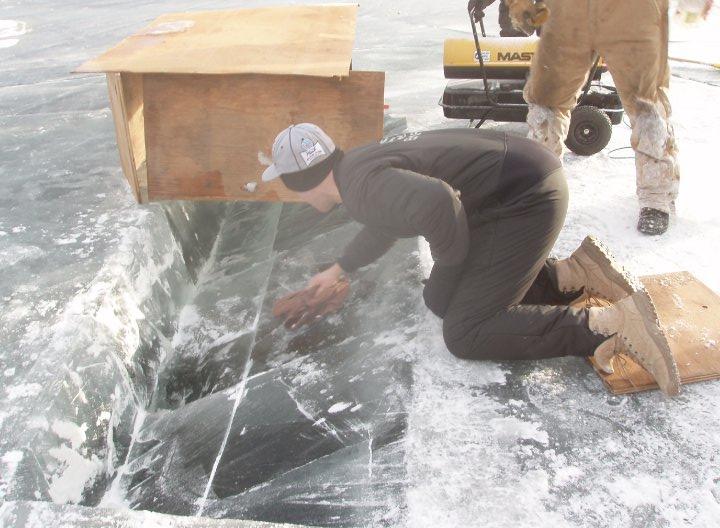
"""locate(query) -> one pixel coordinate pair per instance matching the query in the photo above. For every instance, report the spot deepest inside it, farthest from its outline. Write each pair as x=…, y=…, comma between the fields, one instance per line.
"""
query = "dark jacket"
x=437, y=184
x=421, y=183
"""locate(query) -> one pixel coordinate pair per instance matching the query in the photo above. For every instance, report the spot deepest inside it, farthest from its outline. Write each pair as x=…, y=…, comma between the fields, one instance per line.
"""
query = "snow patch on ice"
x=391, y=338
x=426, y=260
x=10, y=30
x=38, y=422
x=637, y=490
x=70, y=431
x=75, y=474
x=76, y=471
x=23, y=390
x=11, y=255
x=10, y=462
x=12, y=457
x=189, y=318
x=306, y=370
x=203, y=331
x=510, y=428
x=567, y=474
x=65, y=241
x=457, y=433
x=339, y=407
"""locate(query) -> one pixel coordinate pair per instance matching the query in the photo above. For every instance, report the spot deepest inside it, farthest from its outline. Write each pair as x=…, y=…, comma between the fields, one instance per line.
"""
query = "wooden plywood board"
x=690, y=314
x=204, y=134
x=297, y=40
x=126, y=101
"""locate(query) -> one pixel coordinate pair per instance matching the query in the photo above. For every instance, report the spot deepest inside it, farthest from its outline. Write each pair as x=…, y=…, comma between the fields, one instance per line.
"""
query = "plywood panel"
x=690, y=313
x=204, y=133
x=126, y=102
x=298, y=40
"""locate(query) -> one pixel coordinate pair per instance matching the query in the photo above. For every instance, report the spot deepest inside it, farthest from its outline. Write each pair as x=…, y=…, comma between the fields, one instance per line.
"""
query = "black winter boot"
x=653, y=221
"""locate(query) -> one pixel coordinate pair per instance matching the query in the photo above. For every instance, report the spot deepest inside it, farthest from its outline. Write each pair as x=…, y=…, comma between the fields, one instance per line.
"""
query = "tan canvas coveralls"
x=632, y=36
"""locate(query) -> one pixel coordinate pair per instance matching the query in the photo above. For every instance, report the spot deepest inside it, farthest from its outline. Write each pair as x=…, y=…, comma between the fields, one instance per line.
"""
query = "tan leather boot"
x=592, y=267
x=633, y=328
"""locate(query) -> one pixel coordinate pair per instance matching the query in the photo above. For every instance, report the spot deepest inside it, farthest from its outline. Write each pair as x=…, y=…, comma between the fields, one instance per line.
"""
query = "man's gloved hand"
x=306, y=306
x=440, y=288
x=477, y=7
x=527, y=15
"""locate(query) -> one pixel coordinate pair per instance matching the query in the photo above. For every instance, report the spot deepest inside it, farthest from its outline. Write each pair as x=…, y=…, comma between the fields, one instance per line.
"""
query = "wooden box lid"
x=295, y=40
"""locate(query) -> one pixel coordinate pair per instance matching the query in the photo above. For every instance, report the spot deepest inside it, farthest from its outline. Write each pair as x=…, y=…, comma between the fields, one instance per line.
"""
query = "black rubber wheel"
x=590, y=130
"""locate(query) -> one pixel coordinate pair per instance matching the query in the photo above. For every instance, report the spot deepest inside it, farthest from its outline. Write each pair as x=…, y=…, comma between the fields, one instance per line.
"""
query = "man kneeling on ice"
x=491, y=207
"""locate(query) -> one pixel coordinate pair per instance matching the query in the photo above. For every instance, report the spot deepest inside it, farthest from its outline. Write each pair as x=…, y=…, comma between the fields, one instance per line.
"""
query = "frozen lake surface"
x=140, y=367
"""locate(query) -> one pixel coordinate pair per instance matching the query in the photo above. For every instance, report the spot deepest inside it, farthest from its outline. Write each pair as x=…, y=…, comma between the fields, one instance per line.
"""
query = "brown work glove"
x=527, y=15
x=304, y=307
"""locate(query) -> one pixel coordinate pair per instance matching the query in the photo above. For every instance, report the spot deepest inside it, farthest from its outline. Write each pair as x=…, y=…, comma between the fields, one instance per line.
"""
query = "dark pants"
x=506, y=304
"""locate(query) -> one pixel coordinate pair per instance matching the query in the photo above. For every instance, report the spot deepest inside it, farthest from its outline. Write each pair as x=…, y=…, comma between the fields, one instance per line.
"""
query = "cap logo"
x=310, y=151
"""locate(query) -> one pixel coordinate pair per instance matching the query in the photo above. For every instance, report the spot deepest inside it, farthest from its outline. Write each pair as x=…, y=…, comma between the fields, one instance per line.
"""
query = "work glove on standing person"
x=527, y=15
x=478, y=7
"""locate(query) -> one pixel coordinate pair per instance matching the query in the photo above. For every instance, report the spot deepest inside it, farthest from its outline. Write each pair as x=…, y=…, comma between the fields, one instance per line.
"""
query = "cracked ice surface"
x=91, y=283
x=535, y=444
x=307, y=440
x=123, y=336
x=314, y=432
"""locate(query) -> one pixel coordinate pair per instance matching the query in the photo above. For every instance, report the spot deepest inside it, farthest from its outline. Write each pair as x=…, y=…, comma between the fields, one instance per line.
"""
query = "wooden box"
x=198, y=98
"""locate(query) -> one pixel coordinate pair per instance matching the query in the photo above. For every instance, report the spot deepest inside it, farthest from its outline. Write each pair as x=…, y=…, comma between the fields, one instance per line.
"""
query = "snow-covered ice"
x=10, y=31
x=140, y=367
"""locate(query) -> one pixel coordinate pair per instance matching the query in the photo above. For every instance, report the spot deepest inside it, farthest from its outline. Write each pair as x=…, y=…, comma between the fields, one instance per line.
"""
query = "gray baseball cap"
x=297, y=149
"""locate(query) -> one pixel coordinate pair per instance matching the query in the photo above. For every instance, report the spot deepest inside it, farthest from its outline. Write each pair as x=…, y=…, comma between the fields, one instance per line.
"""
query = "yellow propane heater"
x=495, y=70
